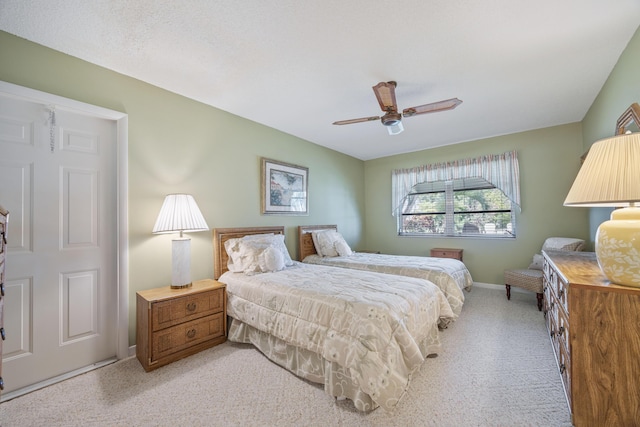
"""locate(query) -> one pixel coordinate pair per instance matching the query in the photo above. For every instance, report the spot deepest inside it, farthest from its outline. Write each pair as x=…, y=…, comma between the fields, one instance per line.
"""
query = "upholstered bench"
x=531, y=278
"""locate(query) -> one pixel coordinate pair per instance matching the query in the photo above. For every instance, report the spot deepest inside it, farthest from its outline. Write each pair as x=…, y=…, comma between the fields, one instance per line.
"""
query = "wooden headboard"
x=305, y=242
x=221, y=235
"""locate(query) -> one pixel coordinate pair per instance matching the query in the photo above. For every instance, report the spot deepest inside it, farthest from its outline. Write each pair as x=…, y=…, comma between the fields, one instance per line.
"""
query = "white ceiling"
x=299, y=65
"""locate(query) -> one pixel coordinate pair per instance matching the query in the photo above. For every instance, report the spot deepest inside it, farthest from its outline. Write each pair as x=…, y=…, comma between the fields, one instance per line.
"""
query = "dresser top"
x=582, y=269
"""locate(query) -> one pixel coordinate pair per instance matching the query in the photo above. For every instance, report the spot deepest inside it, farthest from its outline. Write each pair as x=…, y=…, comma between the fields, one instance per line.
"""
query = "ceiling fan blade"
x=363, y=119
x=434, y=107
x=386, y=94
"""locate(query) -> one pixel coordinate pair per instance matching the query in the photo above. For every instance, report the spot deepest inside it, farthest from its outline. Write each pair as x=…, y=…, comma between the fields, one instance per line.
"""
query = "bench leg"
x=508, y=291
x=539, y=301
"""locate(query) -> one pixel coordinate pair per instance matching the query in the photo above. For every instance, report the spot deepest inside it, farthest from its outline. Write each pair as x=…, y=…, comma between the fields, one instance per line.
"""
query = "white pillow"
x=232, y=246
x=342, y=247
x=277, y=241
x=260, y=256
x=330, y=243
x=324, y=241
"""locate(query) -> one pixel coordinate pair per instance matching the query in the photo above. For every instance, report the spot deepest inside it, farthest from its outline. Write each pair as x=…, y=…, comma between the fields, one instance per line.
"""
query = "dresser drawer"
x=178, y=310
x=177, y=338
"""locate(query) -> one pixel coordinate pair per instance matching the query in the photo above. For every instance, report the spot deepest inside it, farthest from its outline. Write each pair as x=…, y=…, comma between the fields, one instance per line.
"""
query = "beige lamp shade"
x=180, y=213
x=610, y=176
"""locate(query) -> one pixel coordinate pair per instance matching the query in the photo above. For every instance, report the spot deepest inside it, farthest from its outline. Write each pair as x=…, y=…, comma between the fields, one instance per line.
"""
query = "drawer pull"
x=191, y=306
x=562, y=368
x=1, y=384
x=1, y=289
x=561, y=330
x=3, y=334
x=191, y=333
x=553, y=334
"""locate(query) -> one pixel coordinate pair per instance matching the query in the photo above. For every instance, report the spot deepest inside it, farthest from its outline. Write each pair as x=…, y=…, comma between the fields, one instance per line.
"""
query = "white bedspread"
x=373, y=330
x=450, y=275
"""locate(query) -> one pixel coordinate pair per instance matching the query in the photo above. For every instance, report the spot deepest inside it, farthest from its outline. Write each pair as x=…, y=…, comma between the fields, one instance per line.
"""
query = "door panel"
x=59, y=183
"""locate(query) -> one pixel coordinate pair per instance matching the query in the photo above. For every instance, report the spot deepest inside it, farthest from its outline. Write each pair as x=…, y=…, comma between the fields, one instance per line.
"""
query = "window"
x=469, y=207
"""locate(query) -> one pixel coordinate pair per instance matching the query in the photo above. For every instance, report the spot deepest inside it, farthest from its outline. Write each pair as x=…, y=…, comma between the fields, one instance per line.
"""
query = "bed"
x=360, y=334
x=450, y=275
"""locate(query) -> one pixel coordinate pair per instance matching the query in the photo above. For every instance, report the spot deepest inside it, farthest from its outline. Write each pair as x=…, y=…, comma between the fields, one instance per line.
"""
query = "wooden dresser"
x=4, y=217
x=176, y=323
x=594, y=328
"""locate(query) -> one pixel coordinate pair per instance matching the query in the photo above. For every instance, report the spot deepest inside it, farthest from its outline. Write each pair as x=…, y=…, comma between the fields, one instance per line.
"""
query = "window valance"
x=501, y=170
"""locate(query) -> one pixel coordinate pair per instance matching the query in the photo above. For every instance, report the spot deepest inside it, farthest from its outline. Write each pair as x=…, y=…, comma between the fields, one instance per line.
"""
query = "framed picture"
x=284, y=188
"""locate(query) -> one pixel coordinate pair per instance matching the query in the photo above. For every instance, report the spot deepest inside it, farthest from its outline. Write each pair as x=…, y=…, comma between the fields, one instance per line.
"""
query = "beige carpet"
x=496, y=368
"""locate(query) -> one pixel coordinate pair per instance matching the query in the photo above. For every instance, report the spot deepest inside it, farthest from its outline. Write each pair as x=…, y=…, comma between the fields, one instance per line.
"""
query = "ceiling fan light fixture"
x=391, y=119
x=395, y=129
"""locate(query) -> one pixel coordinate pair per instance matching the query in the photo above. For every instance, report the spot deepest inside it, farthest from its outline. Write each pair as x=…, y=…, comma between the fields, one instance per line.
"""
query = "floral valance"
x=501, y=170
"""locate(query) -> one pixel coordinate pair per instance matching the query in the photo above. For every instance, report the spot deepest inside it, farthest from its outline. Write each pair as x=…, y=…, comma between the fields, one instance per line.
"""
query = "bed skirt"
x=310, y=365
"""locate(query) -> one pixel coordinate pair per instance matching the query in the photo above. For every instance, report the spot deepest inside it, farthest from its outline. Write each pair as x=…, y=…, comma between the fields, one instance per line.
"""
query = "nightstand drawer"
x=447, y=253
x=185, y=335
x=178, y=310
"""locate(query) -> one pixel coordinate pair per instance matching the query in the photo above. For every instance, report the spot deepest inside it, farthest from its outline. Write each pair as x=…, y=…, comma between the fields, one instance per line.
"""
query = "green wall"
x=180, y=145
x=621, y=89
x=549, y=160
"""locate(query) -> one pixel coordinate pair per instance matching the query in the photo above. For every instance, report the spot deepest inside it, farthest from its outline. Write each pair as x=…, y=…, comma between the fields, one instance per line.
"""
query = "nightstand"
x=447, y=253
x=176, y=323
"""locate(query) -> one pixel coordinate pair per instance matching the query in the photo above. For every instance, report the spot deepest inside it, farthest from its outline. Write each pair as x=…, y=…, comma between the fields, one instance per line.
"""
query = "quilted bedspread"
x=450, y=275
x=373, y=330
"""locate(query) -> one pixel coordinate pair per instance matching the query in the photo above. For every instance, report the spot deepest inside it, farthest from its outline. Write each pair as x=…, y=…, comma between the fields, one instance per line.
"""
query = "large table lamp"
x=180, y=213
x=610, y=177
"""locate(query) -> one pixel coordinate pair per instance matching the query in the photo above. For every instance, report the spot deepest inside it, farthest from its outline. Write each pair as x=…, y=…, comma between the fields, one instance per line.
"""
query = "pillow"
x=277, y=241
x=330, y=243
x=563, y=244
x=260, y=256
x=232, y=246
x=537, y=262
x=342, y=247
x=324, y=241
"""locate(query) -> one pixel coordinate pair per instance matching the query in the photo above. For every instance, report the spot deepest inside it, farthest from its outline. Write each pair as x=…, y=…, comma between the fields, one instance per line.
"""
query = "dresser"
x=594, y=328
x=176, y=323
x=4, y=217
x=447, y=253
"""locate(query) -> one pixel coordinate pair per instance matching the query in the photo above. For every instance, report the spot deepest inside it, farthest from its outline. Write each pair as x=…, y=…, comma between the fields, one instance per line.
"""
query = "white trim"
x=122, y=143
x=42, y=384
x=498, y=287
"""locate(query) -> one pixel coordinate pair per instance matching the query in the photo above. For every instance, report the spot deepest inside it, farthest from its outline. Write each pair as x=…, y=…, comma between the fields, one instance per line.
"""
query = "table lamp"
x=180, y=213
x=610, y=176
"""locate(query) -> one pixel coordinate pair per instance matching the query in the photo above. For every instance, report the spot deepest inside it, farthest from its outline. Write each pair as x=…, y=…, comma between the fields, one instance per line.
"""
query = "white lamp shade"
x=179, y=213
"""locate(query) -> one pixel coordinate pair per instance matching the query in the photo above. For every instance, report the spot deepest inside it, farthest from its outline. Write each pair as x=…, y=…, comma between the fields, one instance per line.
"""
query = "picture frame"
x=284, y=188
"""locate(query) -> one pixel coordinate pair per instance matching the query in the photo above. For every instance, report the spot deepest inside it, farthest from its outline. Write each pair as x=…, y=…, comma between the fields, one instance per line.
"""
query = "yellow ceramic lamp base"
x=618, y=247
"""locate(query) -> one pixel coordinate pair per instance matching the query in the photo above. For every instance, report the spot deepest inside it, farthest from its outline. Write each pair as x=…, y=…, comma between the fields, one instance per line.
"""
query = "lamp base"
x=618, y=247
x=187, y=285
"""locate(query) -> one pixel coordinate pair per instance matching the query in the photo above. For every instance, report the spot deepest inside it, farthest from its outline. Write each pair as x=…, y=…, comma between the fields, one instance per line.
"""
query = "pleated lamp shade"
x=610, y=176
x=180, y=213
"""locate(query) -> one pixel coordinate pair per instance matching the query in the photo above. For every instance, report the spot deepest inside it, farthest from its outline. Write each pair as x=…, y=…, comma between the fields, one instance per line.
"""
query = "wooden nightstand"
x=176, y=323
x=447, y=253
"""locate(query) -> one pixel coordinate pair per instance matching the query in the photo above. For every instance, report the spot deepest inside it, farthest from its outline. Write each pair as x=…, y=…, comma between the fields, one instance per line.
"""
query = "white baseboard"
x=500, y=287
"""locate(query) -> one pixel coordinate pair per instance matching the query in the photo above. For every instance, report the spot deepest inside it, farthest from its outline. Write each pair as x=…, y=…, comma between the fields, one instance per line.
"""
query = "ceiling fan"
x=386, y=95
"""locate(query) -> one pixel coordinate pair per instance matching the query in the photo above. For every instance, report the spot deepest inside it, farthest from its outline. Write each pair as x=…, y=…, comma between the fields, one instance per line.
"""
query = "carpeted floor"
x=496, y=368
